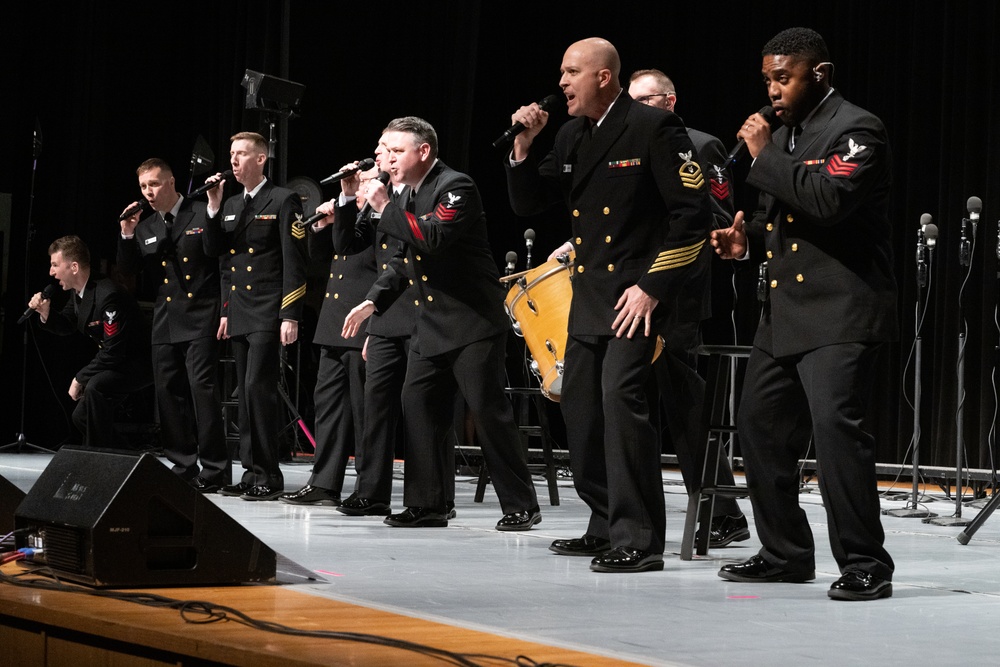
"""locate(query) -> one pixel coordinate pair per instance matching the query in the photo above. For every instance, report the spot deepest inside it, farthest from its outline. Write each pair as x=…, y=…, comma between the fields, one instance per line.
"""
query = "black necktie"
x=246, y=210
x=796, y=133
x=168, y=219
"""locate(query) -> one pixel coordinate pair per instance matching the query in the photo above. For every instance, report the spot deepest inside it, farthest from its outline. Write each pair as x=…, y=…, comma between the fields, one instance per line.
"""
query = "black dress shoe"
x=237, y=489
x=758, y=569
x=203, y=486
x=311, y=495
x=522, y=520
x=627, y=559
x=860, y=586
x=588, y=545
x=727, y=529
x=261, y=492
x=418, y=517
x=355, y=505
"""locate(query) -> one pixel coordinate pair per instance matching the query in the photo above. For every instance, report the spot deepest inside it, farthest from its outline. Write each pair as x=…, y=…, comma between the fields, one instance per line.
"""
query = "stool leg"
x=550, y=464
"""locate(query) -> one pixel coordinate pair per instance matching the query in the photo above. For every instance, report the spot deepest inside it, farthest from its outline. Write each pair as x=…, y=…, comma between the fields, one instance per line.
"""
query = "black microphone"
x=974, y=206
x=364, y=165
x=529, y=242
x=518, y=127
x=511, y=262
x=226, y=175
x=47, y=293
x=141, y=205
x=922, y=247
x=740, y=149
x=383, y=178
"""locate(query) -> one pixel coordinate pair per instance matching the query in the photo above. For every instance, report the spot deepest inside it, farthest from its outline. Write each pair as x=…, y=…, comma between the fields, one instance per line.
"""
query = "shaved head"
x=590, y=70
x=600, y=53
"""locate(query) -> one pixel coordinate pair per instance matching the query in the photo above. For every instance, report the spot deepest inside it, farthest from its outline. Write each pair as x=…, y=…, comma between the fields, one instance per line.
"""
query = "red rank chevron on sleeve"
x=412, y=219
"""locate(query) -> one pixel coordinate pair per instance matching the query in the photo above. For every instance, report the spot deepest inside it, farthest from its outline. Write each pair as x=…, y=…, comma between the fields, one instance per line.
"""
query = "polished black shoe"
x=627, y=559
x=311, y=495
x=261, y=492
x=237, y=489
x=860, y=586
x=726, y=530
x=450, y=510
x=588, y=545
x=757, y=569
x=202, y=485
x=355, y=505
x=417, y=517
x=522, y=520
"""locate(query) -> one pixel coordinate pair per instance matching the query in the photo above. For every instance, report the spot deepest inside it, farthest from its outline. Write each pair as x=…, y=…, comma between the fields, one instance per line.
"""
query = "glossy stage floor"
x=945, y=608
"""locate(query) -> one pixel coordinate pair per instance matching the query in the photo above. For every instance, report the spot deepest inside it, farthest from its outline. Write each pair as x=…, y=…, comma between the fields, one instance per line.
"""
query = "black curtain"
x=111, y=84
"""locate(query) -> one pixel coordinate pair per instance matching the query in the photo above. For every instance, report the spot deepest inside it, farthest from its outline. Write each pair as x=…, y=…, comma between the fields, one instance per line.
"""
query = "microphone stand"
x=965, y=259
x=21, y=442
x=912, y=509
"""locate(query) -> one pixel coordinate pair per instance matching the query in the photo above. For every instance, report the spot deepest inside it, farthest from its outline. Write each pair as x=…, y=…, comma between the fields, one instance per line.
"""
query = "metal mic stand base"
x=953, y=520
x=910, y=513
x=21, y=444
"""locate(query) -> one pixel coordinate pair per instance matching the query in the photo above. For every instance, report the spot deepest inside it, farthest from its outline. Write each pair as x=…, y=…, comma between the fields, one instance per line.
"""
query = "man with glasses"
x=680, y=387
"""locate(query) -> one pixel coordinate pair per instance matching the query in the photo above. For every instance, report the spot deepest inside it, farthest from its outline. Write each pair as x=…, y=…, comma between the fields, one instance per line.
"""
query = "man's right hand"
x=128, y=224
x=223, y=331
x=326, y=207
x=731, y=242
x=40, y=305
x=534, y=119
x=564, y=249
x=215, y=194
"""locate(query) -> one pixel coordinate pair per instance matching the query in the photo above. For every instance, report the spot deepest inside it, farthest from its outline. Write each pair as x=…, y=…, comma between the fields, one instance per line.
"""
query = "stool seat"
x=716, y=421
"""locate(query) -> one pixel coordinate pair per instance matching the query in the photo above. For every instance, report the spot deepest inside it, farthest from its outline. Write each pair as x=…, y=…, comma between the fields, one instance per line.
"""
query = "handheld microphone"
x=141, y=205
x=511, y=262
x=770, y=115
x=383, y=178
x=226, y=175
x=518, y=127
x=47, y=293
x=529, y=242
x=364, y=165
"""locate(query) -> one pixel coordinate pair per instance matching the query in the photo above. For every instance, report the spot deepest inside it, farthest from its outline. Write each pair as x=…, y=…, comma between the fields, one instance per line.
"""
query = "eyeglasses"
x=646, y=99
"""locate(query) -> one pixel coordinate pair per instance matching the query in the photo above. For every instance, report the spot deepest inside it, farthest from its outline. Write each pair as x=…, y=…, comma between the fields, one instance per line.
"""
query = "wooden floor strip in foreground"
x=43, y=627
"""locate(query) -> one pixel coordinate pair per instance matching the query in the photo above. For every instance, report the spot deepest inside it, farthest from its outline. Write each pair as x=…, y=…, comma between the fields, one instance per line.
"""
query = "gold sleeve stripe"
x=673, y=259
x=293, y=297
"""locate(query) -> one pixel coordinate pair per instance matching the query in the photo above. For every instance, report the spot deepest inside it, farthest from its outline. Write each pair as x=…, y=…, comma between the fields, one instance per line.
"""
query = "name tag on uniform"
x=229, y=217
x=272, y=216
x=150, y=240
x=567, y=168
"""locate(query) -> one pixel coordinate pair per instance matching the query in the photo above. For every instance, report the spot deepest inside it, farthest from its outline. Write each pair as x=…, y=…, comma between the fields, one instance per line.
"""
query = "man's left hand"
x=289, y=332
x=635, y=308
x=75, y=390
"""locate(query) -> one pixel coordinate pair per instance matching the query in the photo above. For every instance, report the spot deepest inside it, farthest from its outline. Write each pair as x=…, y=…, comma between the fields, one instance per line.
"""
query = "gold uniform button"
x=385, y=247
x=769, y=227
x=336, y=256
x=774, y=283
x=249, y=287
x=250, y=250
x=165, y=281
x=185, y=259
x=327, y=295
x=607, y=239
x=406, y=260
x=795, y=247
x=424, y=278
x=340, y=277
x=800, y=277
x=232, y=251
x=770, y=254
x=430, y=298
x=576, y=213
x=384, y=267
x=607, y=210
x=611, y=267
x=579, y=269
x=190, y=295
x=164, y=263
x=249, y=268
x=418, y=257
x=234, y=288
x=790, y=218
x=168, y=299
x=187, y=277
x=416, y=302
x=579, y=241
x=411, y=282
x=331, y=275
x=336, y=295
x=232, y=268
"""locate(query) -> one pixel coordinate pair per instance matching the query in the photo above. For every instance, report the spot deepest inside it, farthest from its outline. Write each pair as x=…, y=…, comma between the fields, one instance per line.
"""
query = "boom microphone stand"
x=966, y=247
x=21, y=442
x=926, y=242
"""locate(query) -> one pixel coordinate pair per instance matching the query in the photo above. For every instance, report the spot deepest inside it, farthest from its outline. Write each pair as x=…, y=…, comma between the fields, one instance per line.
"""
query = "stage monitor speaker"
x=108, y=519
x=10, y=498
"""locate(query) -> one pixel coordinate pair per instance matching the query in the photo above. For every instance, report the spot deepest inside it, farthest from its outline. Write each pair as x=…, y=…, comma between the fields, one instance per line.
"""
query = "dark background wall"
x=111, y=84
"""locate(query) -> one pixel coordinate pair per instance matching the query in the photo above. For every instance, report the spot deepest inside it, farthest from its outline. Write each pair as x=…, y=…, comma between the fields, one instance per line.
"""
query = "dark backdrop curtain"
x=113, y=83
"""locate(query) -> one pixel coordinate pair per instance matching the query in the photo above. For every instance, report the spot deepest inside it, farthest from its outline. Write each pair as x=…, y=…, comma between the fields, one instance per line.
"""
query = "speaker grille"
x=64, y=549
